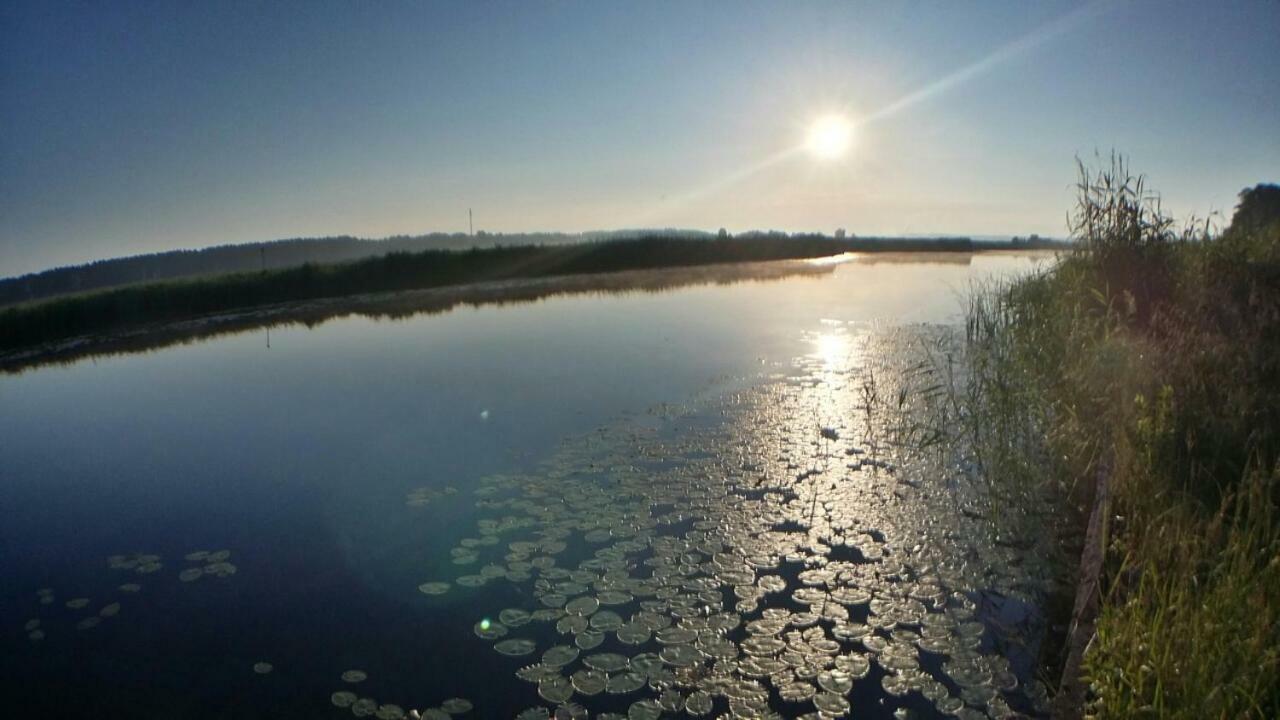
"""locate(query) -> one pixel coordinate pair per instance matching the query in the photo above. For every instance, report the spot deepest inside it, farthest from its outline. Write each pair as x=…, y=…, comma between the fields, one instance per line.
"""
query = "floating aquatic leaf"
x=762, y=645
x=78, y=603
x=555, y=690
x=676, y=636
x=671, y=701
x=515, y=647
x=588, y=639
x=570, y=588
x=262, y=668
x=606, y=621
x=835, y=681
x=434, y=588
x=456, y=706
x=796, y=691
x=571, y=624
x=354, y=676
x=190, y=574
x=614, y=597
x=698, y=703
x=719, y=648
x=895, y=685
x=220, y=569
x=537, y=673
x=589, y=681
x=514, y=617
x=949, y=705
x=389, y=712
x=856, y=666
x=489, y=630
x=1005, y=681
x=559, y=655
x=680, y=655
x=624, y=683
x=606, y=662
x=634, y=633
x=342, y=698
x=645, y=710
x=110, y=610
x=831, y=704
x=571, y=711
x=584, y=605
x=130, y=587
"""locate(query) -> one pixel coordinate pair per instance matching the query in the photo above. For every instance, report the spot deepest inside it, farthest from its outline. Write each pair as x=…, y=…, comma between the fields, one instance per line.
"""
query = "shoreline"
x=395, y=304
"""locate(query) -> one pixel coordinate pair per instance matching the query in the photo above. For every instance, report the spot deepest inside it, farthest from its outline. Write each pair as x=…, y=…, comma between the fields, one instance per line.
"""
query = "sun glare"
x=830, y=137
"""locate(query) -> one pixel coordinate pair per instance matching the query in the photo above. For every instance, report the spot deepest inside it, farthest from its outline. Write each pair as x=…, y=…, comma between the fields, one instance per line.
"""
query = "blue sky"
x=140, y=127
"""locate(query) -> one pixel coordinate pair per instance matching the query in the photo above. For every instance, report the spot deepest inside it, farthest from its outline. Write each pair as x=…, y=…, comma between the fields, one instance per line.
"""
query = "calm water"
x=340, y=467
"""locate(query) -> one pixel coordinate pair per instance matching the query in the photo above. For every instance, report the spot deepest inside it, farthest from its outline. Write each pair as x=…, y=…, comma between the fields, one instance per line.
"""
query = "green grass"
x=1153, y=354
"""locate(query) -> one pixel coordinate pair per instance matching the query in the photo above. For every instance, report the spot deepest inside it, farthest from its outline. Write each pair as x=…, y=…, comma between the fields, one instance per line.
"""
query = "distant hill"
x=283, y=254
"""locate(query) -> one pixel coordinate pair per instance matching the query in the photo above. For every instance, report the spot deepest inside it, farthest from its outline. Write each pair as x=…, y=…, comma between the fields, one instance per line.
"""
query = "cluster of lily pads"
x=141, y=563
x=215, y=563
x=424, y=496
x=368, y=707
x=753, y=558
x=35, y=627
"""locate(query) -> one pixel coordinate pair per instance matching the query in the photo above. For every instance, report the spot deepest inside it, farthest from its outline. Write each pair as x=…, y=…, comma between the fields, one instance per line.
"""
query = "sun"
x=830, y=137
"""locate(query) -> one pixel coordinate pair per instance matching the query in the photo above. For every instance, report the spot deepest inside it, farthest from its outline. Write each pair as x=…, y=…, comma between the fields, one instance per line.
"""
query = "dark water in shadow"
x=298, y=460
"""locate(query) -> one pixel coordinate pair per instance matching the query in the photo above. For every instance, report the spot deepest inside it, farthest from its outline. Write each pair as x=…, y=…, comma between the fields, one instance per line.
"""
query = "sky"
x=141, y=127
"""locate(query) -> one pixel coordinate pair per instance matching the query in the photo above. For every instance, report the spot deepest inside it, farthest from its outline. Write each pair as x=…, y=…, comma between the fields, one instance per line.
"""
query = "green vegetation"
x=1151, y=355
x=118, y=309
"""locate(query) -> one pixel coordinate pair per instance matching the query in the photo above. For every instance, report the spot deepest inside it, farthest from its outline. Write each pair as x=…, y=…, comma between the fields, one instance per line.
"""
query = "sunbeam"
x=1022, y=45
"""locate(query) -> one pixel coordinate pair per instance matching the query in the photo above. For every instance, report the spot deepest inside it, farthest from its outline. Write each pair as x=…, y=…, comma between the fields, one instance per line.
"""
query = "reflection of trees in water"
x=404, y=305
x=938, y=258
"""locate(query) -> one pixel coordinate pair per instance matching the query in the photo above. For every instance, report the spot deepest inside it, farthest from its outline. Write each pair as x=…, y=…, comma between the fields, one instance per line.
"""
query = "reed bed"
x=1151, y=353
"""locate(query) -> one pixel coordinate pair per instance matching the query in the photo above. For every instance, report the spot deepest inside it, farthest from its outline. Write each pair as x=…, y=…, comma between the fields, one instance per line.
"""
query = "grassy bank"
x=1151, y=354
x=109, y=311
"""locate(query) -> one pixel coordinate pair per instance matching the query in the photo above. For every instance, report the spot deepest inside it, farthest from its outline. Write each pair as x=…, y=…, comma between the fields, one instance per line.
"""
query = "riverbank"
x=1150, y=356
x=125, y=308
x=403, y=304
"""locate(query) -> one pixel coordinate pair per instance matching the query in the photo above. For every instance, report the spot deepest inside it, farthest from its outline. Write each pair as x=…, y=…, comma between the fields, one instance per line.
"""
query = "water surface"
x=339, y=465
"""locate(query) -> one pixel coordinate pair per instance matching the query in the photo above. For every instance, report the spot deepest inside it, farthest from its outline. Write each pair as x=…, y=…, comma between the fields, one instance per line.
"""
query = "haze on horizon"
x=142, y=127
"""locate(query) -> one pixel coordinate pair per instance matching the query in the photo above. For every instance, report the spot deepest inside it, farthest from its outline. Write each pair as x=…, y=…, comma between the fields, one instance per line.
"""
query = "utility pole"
x=471, y=225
